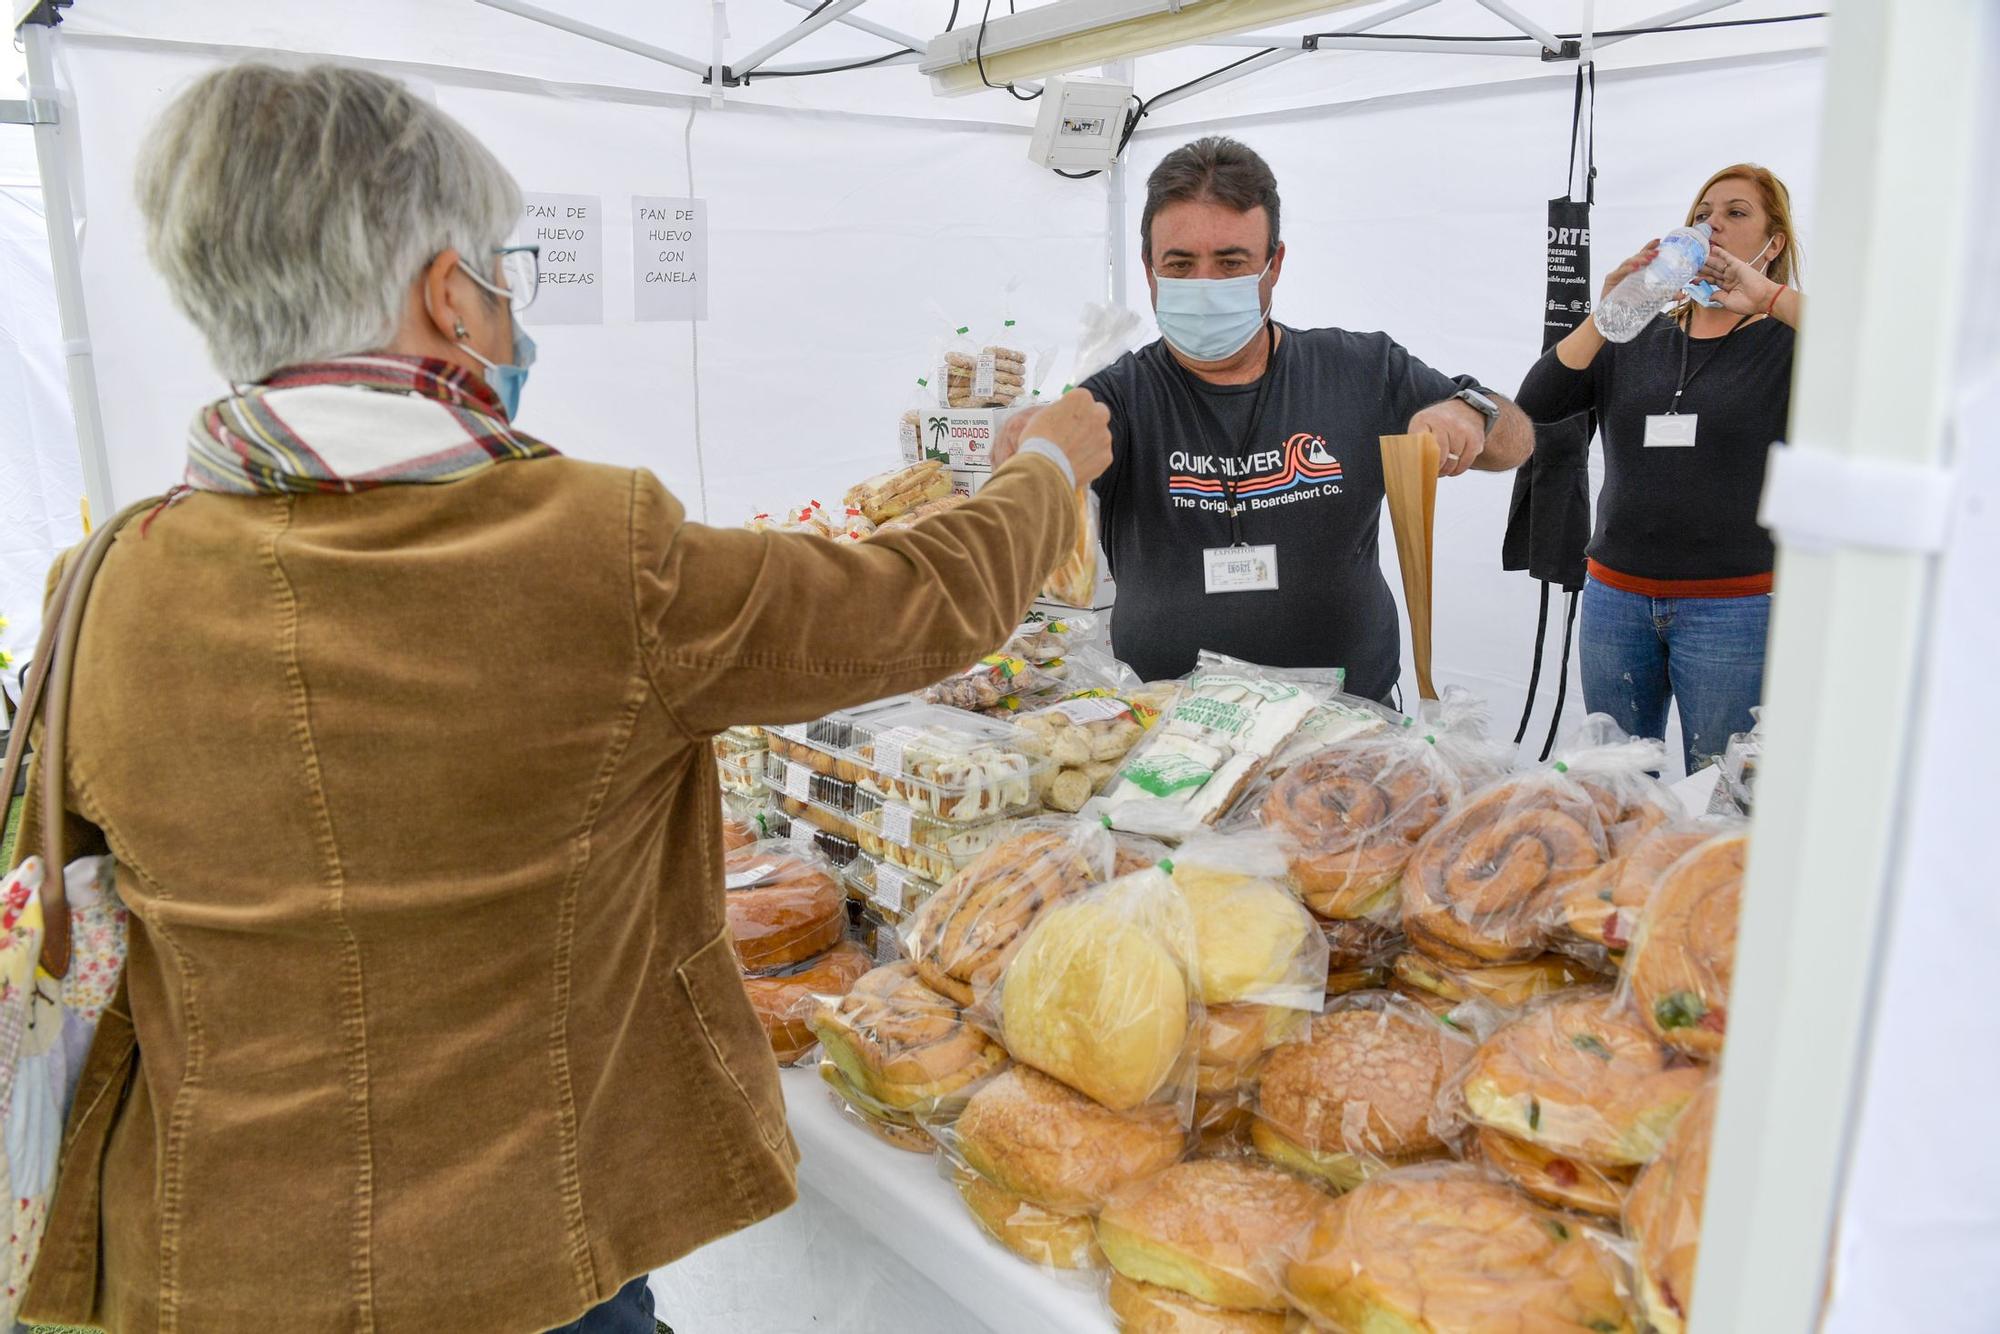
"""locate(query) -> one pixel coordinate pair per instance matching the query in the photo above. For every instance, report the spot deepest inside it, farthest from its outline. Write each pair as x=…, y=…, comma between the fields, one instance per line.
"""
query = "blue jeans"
x=630, y=1312
x=1704, y=654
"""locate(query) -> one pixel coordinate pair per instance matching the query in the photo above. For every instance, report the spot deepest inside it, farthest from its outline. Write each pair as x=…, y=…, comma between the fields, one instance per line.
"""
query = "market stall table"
x=878, y=1240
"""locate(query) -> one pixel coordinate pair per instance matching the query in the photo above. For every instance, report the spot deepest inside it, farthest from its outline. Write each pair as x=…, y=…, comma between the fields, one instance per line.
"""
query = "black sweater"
x=1678, y=513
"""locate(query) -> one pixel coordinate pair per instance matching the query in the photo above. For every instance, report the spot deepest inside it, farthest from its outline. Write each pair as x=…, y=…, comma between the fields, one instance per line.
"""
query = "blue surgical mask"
x=507, y=379
x=1209, y=319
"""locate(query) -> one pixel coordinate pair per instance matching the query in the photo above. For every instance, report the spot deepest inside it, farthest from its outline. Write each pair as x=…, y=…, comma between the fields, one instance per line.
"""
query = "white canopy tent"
x=854, y=217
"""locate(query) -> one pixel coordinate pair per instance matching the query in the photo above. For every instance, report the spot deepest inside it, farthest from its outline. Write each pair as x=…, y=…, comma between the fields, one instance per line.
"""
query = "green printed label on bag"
x=1166, y=775
x=1227, y=716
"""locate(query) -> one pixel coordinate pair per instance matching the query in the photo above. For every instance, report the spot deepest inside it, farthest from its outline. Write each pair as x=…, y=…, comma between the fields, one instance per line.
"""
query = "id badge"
x=1240, y=569
x=1671, y=431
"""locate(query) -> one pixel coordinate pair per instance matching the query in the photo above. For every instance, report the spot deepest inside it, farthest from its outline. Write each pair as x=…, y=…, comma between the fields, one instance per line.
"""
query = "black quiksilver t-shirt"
x=1310, y=478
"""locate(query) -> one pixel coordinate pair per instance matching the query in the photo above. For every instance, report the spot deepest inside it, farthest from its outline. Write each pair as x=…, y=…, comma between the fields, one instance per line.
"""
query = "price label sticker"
x=793, y=732
x=896, y=822
x=892, y=886
x=798, y=781
x=754, y=875
x=889, y=748
x=801, y=836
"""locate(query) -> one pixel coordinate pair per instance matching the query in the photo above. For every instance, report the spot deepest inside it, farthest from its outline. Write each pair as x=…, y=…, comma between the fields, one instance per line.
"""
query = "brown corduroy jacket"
x=431, y=1022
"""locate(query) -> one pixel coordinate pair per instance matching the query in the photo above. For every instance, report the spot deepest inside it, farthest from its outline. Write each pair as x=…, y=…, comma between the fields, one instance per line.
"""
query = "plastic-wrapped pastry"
x=1581, y=1078
x=893, y=494
x=1085, y=738
x=994, y=679
x=921, y=512
x=1683, y=956
x=1440, y=1248
x=1356, y=1097
x=964, y=934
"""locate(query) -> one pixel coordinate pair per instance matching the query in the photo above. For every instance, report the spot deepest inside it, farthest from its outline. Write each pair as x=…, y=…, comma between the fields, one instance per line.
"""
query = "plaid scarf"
x=351, y=424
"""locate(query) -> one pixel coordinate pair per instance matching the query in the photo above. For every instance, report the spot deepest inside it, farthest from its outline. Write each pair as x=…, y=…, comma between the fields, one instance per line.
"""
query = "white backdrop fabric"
x=1424, y=216
x=839, y=249
x=41, y=476
x=843, y=244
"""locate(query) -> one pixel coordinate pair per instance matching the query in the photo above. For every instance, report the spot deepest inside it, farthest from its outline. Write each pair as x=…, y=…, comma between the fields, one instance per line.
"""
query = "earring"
x=458, y=330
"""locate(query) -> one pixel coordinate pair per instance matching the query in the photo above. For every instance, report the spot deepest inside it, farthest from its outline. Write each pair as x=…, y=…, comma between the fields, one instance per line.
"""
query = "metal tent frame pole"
x=52, y=137
x=1873, y=399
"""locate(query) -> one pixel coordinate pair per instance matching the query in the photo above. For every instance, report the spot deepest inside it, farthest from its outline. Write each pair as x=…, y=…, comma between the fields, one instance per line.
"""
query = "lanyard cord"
x=1674, y=408
x=1229, y=481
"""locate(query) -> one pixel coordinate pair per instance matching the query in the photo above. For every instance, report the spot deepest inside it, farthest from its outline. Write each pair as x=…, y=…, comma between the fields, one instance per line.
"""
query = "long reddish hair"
x=1777, y=207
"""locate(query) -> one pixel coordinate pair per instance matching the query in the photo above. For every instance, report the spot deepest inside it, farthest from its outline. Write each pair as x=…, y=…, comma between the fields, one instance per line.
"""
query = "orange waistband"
x=1740, y=586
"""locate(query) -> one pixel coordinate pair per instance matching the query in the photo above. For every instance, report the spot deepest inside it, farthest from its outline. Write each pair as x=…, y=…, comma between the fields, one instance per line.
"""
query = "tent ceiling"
x=465, y=34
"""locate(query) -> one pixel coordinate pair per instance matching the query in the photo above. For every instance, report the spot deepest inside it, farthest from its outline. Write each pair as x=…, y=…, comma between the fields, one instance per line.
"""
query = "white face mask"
x=1210, y=319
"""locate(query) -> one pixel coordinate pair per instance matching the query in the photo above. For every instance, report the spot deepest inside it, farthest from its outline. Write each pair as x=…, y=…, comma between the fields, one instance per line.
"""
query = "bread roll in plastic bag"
x=1446, y=1249
x=1505, y=986
x=1099, y=995
x=1213, y=1229
x=1045, y=1237
x=1254, y=941
x=1579, y=1076
x=963, y=935
x=899, y=1130
x=904, y=1049
x=1149, y=1308
x=786, y=998
x=1595, y=917
x=1357, y=1096
x=783, y=905
x=1478, y=887
x=1037, y=1139
x=1663, y=1217
x=1555, y=1179
x=1677, y=973
x=1359, y=951
x=1355, y=810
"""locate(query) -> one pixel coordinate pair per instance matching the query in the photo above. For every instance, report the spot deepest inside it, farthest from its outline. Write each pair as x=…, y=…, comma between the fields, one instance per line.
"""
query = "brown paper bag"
x=1410, y=476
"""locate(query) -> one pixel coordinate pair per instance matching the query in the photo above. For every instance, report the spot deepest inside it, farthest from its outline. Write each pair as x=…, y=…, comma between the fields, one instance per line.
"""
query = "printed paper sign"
x=570, y=231
x=669, y=258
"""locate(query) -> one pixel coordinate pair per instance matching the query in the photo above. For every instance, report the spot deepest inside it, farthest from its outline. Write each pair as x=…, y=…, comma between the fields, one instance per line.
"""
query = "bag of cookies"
x=1229, y=721
x=1085, y=736
x=893, y=494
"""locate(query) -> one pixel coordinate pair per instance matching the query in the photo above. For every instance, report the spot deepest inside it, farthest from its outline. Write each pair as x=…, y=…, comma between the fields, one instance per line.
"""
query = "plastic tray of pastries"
x=742, y=774
x=890, y=892
x=807, y=826
x=936, y=850
x=943, y=763
x=803, y=780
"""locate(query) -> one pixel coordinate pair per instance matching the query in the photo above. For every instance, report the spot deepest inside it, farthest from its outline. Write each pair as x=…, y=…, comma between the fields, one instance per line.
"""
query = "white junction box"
x=1080, y=123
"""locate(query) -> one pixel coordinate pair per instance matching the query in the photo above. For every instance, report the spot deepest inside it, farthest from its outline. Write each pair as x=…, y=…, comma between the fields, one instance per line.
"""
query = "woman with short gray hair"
x=397, y=723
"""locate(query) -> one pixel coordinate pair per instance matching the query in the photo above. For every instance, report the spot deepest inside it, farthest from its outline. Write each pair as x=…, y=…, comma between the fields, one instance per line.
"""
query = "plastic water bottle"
x=1634, y=302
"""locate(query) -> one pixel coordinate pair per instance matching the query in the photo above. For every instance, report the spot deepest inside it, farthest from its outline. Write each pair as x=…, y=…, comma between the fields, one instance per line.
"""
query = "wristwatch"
x=1481, y=404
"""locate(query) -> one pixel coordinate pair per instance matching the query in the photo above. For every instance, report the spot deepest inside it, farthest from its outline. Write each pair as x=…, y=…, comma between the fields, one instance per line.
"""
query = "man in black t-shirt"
x=1230, y=411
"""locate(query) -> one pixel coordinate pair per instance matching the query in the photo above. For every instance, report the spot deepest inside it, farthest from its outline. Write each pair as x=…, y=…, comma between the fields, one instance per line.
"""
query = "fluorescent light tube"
x=1076, y=34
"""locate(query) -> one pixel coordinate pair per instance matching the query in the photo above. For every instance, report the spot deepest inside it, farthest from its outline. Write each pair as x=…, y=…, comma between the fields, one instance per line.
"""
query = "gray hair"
x=291, y=210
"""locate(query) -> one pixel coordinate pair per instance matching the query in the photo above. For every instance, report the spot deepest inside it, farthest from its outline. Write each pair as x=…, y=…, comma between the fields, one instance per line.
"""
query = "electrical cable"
x=979, y=59
x=1146, y=103
x=1567, y=36
x=746, y=79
